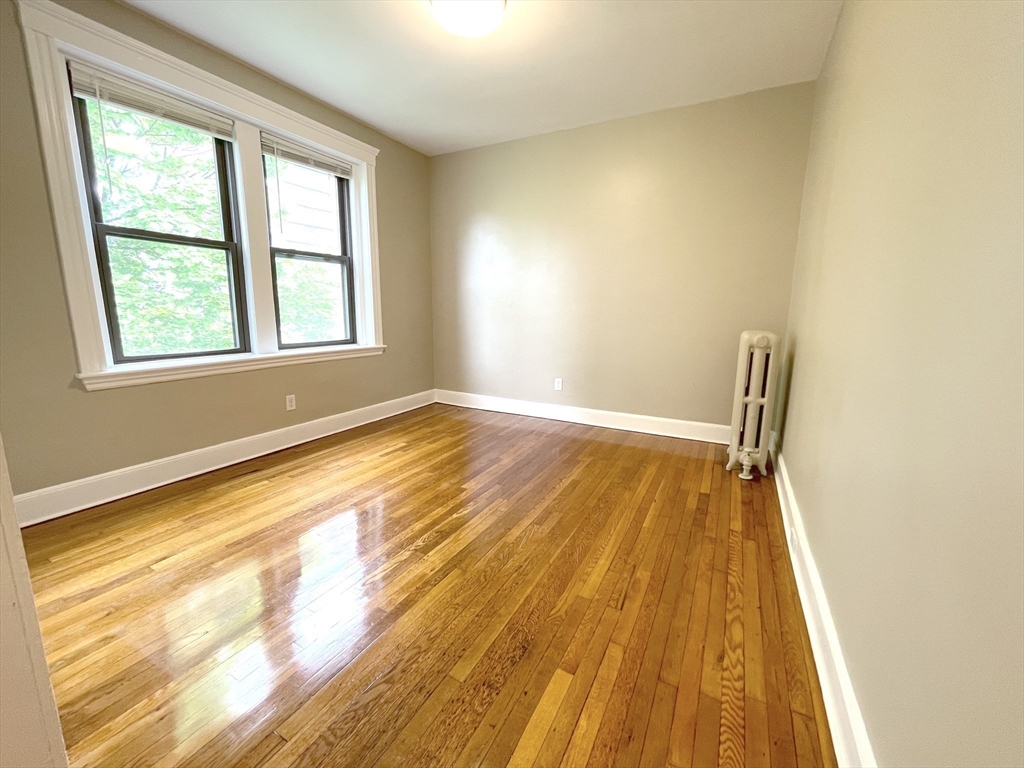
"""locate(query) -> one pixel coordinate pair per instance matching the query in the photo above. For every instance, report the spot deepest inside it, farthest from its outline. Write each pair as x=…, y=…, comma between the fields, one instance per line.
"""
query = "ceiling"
x=551, y=65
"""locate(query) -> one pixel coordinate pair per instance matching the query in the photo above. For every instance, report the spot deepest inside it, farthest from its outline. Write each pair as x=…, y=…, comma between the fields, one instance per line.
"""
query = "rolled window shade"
x=89, y=82
x=296, y=153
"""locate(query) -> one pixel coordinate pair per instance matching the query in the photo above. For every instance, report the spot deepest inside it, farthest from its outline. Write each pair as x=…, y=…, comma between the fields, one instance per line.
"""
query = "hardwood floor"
x=448, y=587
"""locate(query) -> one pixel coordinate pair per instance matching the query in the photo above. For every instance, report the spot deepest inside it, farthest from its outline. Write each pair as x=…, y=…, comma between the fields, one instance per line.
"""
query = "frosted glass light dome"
x=468, y=18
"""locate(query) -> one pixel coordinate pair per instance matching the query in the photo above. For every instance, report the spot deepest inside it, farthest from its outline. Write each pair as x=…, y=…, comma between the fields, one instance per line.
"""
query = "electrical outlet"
x=558, y=384
x=289, y=402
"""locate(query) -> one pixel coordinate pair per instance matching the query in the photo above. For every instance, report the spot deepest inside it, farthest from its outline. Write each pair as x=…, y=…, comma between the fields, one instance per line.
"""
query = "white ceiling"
x=550, y=65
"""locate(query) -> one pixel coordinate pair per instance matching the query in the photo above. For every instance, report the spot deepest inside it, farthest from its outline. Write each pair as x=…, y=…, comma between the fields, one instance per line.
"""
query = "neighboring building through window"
x=310, y=243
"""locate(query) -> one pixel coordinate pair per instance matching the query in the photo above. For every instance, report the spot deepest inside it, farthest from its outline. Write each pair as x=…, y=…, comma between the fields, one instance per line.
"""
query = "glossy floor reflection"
x=447, y=587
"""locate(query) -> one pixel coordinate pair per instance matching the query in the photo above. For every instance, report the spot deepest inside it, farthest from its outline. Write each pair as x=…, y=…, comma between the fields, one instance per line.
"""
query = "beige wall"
x=56, y=431
x=30, y=734
x=906, y=413
x=624, y=257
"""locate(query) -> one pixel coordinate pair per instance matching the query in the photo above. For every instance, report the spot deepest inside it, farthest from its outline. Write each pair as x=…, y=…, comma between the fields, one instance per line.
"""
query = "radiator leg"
x=747, y=464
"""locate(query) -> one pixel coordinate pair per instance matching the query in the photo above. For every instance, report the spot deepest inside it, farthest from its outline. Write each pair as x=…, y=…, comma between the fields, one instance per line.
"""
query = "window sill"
x=132, y=374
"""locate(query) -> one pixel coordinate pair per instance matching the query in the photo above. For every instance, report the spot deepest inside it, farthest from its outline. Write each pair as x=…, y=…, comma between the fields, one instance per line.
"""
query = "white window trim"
x=52, y=34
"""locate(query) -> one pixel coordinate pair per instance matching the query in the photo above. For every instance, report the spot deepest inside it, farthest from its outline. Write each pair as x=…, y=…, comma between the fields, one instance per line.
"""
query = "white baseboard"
x=849, y=735
x=47, y=503
x=55, y=501
x=631, y=422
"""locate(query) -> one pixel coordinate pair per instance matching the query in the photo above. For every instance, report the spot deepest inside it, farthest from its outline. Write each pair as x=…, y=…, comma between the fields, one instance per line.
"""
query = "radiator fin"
x=754, y=401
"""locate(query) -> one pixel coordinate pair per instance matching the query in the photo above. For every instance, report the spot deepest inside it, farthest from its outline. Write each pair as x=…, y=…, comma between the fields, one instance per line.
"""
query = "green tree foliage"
x=310, y=300
x=171, y=298
x=161, y=176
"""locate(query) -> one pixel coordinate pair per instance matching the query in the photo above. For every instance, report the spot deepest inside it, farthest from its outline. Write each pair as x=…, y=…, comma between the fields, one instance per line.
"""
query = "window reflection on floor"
x=329, y=599
x=226, y=610
x=230, y=632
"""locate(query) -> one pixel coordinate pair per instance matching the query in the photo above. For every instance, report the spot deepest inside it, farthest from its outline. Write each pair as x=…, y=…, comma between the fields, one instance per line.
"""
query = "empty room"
x=529, y=383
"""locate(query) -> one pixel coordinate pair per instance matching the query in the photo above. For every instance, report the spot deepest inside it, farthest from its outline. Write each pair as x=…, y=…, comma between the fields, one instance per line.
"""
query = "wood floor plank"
x=533, y=737
x=675, y=643
x=419, y=723
x=320, y=738
x=633, y=738
x=655, y=751
x=714, y=640
x=802, y=658
x=612, y=737
x=447, y=587
x=753, y=648
x=523, y=640
x=757, y=751
x=706, y=739
x=518, y=706
x=806, y=735
x=780, y=721
x=582, y=742
x=785, y=592
x=731, y=732
x=584, y=673
x=684, y=719
x=502, y=723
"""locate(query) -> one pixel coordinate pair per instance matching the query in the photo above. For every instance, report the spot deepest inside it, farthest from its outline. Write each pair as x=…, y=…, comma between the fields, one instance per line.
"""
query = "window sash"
x=102, y=231
x=350, y=302
x=345, y=260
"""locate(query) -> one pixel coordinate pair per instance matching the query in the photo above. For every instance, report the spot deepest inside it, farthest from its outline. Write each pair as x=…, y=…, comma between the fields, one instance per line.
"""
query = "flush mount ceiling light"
x=468, y=18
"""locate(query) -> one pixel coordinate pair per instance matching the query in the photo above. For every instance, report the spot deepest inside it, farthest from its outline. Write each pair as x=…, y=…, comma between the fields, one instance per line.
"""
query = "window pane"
x=303, y=206
x=171, y=299
x=312, y=299
x=154, y=174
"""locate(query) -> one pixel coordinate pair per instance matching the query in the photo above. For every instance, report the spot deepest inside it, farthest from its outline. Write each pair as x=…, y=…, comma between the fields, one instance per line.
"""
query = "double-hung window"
x=310, y=244
x=202, y=229
x=163, y=211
